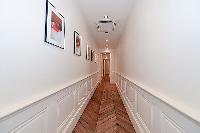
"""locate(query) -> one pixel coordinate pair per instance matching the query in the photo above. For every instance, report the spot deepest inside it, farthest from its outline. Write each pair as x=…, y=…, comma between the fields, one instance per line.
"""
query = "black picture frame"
x=54, y=26
x=88, y=51
x=91, y=55
x=77, y=49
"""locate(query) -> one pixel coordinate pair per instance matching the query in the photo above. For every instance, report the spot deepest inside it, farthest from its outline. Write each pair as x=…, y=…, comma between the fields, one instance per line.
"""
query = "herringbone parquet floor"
x=105, y=112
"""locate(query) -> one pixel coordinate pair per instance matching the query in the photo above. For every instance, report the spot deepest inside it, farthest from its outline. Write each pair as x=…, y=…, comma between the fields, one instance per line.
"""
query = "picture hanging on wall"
x=88, y=50
x=55, y=26
x=95, y=58
x=77, y=43
x=91, y=55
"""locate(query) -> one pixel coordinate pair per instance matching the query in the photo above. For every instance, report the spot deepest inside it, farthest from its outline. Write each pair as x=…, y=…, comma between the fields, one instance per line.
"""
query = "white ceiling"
x=93, y=10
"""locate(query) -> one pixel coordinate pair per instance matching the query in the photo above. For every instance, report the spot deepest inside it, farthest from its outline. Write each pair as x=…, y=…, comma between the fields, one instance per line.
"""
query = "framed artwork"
x=77, y=43
x=54, y=27
x=95, y=58
x=88, y=52
x=91, y=55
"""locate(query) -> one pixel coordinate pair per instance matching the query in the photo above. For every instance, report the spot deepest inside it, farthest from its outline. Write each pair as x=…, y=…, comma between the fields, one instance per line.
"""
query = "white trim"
x=187, y=111
x=77, y=115
x=133, y=119
x=57, y=118
x=148, y=118
x=28, y=102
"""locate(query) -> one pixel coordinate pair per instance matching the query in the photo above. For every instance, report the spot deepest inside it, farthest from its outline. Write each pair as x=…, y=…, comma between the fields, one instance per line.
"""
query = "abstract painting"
x=77, y=43
x=55, y=26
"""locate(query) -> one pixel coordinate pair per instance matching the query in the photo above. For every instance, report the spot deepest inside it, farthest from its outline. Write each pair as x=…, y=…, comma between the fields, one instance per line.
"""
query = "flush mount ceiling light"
x=105, y=16
x=106, y=40
x=106, y=25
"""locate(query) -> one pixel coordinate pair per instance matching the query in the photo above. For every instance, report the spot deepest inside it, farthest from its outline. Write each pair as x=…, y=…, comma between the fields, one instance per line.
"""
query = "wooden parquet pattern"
x=105, y=112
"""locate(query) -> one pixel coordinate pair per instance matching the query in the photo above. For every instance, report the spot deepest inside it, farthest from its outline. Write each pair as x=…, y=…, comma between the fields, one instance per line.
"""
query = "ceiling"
x=94, y=10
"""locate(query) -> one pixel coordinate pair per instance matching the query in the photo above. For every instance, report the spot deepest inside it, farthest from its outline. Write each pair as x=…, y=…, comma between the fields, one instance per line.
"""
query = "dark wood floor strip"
x=105, y=113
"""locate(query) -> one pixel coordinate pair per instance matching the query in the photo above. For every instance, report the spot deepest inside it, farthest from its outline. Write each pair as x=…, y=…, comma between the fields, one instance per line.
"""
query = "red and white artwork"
x=55, y=27
x=77, y=43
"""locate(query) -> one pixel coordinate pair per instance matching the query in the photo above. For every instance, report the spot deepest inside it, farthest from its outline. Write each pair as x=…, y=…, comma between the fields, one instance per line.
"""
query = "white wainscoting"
x=56, y=113
x=149, y=114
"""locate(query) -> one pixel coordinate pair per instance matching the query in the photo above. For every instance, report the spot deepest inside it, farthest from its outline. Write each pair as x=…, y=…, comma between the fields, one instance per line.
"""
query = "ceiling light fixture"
x=106, y=40
x=105, y=16
x=106, y=25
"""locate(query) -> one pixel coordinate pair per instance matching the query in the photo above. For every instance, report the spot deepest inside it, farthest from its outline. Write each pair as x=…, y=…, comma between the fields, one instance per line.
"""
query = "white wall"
x=159, y=50
x=30, y=68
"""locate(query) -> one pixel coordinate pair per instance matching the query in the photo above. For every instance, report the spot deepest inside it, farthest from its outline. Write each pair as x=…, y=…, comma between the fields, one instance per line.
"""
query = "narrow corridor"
x=105, y=112
x=100, y=66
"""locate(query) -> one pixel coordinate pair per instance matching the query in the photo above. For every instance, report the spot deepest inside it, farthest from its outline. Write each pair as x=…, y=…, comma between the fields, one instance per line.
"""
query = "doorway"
x=105, y=64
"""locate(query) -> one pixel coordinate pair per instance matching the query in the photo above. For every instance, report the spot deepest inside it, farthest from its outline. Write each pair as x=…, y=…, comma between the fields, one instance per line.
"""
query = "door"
x=106, y=67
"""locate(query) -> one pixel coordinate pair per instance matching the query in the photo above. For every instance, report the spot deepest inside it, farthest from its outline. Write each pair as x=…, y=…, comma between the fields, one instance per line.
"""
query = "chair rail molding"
x=56, y=112
x=150, y=113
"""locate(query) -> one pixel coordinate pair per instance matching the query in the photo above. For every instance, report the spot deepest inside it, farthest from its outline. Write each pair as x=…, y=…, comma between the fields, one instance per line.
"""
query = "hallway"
x=54, y=55
x=105, y=113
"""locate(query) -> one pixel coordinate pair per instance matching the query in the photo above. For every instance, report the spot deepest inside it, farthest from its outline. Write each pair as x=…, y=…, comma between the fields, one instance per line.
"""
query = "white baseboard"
x=133, y=119
x=78, y=114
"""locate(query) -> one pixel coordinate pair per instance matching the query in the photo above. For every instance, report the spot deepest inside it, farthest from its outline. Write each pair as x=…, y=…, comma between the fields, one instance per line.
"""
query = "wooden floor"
x=105, y=112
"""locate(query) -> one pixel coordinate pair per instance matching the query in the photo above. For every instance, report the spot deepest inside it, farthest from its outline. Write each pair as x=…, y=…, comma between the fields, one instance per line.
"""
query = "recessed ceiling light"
x=106, y=40
x=105, y=16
